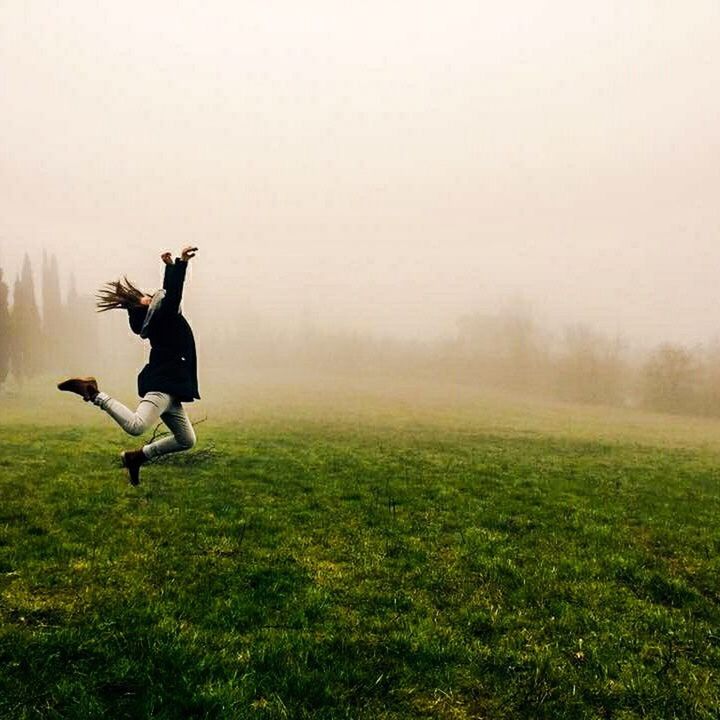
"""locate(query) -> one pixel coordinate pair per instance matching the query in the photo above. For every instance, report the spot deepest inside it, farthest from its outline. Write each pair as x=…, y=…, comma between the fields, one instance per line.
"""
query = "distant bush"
x=590, y=368
x=670, y=380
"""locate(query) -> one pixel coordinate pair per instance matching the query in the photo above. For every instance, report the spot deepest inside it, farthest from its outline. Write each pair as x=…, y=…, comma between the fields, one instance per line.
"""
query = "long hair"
x=118, y=295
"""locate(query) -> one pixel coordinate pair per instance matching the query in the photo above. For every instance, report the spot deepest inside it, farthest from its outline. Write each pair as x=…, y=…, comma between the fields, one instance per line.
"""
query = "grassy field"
x=327, y=553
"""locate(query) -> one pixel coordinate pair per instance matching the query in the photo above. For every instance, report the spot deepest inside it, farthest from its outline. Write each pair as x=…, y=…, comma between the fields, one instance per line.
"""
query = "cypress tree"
x=26, y=326
x=70, y=314
x=16, y=354
x=72, y=296
x=5, y=338
x=52, y=314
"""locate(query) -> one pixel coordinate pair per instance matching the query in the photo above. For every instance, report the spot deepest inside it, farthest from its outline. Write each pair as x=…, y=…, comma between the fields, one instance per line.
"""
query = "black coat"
x=172, y=367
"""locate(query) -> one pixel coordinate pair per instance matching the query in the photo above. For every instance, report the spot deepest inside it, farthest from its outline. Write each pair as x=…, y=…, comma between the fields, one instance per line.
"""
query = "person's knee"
x=137, y=426
x=187, y=439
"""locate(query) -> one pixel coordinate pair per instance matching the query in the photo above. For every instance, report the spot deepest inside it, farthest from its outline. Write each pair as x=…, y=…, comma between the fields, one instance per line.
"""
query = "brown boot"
x=86, y=387
x=132, y=460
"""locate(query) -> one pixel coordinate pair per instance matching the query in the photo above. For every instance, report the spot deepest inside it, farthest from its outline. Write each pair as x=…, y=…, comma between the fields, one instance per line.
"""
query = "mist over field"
x=384, y=170
x=522, y=198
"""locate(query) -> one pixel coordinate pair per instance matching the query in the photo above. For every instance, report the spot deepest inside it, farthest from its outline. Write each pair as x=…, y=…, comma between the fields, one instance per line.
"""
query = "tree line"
x=582, y=365
x=505, y=350
x=46, y=336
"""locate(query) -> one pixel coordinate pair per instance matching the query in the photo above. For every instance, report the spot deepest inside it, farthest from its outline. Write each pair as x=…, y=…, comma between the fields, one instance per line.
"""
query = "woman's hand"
x=166, y=257
x=187, y=253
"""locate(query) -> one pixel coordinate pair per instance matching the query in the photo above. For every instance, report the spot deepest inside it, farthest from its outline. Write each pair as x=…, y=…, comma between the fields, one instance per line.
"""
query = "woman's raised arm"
x=175, y=277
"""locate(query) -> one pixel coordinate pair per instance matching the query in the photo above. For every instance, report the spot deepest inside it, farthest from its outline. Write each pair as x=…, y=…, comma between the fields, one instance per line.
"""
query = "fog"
x=382, y=167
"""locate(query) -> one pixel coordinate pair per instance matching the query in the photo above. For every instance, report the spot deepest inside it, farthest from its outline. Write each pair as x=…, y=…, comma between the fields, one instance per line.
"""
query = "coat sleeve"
x=173, y=285
x=166, y=278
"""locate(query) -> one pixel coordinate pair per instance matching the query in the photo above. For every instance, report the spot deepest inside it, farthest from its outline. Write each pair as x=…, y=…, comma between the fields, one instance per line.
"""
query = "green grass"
x=396, y=561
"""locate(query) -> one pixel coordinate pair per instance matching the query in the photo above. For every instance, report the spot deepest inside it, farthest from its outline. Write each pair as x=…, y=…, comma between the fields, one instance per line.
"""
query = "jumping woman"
x=170, y=377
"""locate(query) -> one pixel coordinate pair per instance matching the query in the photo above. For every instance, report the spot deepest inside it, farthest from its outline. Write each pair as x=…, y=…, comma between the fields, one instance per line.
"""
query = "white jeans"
x=153, y=406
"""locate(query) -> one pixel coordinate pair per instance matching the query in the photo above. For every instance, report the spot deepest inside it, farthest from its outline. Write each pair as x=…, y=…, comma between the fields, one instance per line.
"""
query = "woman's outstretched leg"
x=148, y=412
x=151, y=407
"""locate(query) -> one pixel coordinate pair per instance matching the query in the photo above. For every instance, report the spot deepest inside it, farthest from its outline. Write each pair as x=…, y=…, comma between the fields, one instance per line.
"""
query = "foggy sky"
x=384, y=166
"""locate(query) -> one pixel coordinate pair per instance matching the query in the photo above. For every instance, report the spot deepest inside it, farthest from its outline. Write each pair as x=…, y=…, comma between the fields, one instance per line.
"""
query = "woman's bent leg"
x=183, y=435
x=151, y=407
